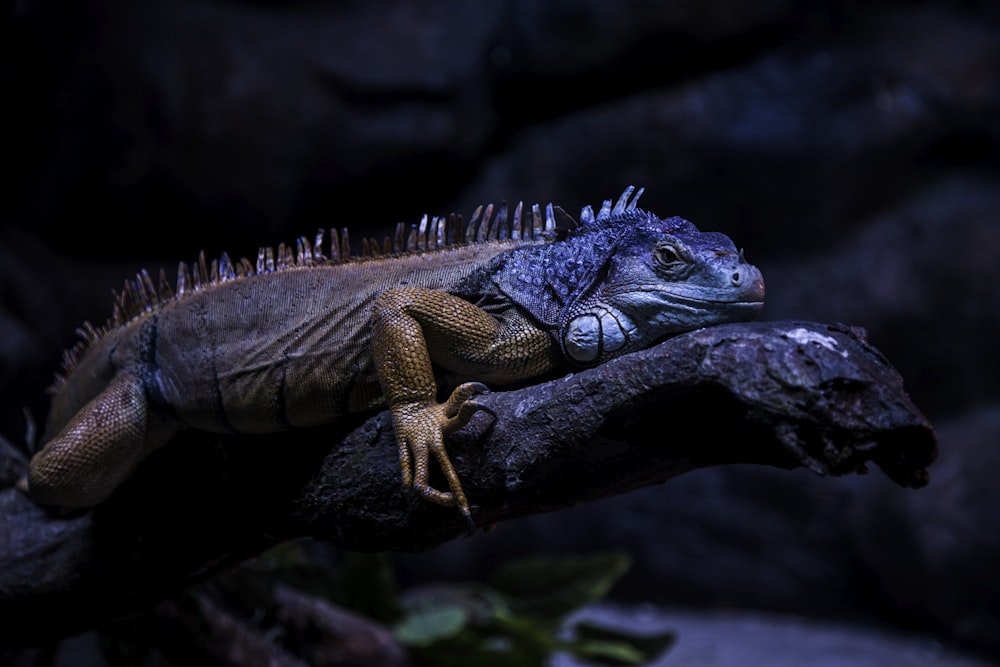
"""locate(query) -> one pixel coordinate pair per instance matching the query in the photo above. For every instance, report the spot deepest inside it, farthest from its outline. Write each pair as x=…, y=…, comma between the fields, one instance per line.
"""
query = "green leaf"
x=612, y=646
x=607, y=652
x=547, y=589
x=430, y=624
x=481, y=603
x=490, y=635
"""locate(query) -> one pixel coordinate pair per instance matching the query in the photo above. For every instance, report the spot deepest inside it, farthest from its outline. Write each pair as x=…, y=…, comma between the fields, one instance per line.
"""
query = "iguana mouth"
x=740, y=309
x=722, y=302
x=662, y=296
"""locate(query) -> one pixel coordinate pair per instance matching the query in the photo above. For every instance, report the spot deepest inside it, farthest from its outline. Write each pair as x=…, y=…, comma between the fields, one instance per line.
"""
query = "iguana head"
x=626, y=279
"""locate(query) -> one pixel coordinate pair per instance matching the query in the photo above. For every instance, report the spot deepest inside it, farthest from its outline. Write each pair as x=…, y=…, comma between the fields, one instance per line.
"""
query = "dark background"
x=853, y=149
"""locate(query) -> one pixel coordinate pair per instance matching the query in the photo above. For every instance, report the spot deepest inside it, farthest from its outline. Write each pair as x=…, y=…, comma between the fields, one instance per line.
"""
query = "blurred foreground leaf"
x=549, y=588
x=519, y=620
x=611, y=646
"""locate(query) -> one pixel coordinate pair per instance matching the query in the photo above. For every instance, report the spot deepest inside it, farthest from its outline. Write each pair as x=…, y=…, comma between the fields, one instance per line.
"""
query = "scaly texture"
x=300, y=339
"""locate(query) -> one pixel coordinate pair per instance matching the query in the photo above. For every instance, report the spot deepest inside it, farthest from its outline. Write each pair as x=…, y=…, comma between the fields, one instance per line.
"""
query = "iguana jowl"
x=301, y=339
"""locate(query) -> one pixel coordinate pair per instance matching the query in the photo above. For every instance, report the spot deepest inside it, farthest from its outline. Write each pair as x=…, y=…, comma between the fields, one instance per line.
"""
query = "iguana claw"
x=420, y=431
x=460, y=407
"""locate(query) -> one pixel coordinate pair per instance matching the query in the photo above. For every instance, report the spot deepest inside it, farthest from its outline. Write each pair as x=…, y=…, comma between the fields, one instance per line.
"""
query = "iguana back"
x=266, y=352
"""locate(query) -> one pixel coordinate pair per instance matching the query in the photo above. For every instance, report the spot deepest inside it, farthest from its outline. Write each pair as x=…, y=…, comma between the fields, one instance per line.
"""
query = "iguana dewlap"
x=300, y=340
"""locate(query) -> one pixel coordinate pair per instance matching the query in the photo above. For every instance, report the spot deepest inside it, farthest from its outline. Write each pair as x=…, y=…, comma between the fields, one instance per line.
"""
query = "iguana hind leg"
x=97, y=449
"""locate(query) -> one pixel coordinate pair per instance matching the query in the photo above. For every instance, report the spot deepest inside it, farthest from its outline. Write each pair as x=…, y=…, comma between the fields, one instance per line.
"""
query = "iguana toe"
x=460, y=406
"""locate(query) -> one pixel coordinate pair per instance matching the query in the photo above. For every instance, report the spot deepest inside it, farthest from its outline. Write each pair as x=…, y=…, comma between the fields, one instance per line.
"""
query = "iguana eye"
x=667, y=256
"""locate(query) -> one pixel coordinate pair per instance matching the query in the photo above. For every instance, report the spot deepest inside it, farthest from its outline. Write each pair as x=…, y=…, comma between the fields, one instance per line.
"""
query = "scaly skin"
x=413, y=327
x=304, y=342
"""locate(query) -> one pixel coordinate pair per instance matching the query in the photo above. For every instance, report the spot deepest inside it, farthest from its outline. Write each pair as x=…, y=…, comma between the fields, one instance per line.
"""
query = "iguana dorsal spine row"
x=488, y=222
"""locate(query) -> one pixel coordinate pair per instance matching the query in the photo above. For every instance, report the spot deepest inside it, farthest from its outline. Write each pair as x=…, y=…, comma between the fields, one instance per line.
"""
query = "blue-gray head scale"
x=625, y=279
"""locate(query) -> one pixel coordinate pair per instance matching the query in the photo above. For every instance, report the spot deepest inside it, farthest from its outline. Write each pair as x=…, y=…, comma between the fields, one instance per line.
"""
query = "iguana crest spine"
x=432, y=233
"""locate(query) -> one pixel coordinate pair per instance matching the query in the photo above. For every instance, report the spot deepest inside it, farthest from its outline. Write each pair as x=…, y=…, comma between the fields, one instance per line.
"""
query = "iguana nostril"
x=736, y=278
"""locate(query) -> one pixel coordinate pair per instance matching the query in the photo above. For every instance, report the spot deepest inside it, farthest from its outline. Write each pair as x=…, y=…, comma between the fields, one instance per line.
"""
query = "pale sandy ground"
x=739, y=639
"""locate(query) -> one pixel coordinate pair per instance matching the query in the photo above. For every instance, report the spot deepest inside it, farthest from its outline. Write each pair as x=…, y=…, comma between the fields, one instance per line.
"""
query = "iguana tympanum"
x=301, y=339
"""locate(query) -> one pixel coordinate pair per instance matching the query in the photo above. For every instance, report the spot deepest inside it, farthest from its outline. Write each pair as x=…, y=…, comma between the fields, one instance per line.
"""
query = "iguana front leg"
x=413, y=327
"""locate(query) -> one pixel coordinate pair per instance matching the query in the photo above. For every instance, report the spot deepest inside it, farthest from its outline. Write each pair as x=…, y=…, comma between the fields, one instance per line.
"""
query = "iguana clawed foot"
x=420, y=429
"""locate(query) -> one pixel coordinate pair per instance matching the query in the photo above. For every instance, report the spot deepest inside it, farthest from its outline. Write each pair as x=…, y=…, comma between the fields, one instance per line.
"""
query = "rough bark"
x=784, y=394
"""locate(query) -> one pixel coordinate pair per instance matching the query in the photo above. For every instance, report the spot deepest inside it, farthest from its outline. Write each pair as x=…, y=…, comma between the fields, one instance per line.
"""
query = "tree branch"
x=784, y=394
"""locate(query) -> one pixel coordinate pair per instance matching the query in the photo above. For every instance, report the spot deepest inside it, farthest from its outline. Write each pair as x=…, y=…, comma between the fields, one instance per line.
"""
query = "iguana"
x=300, y=339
